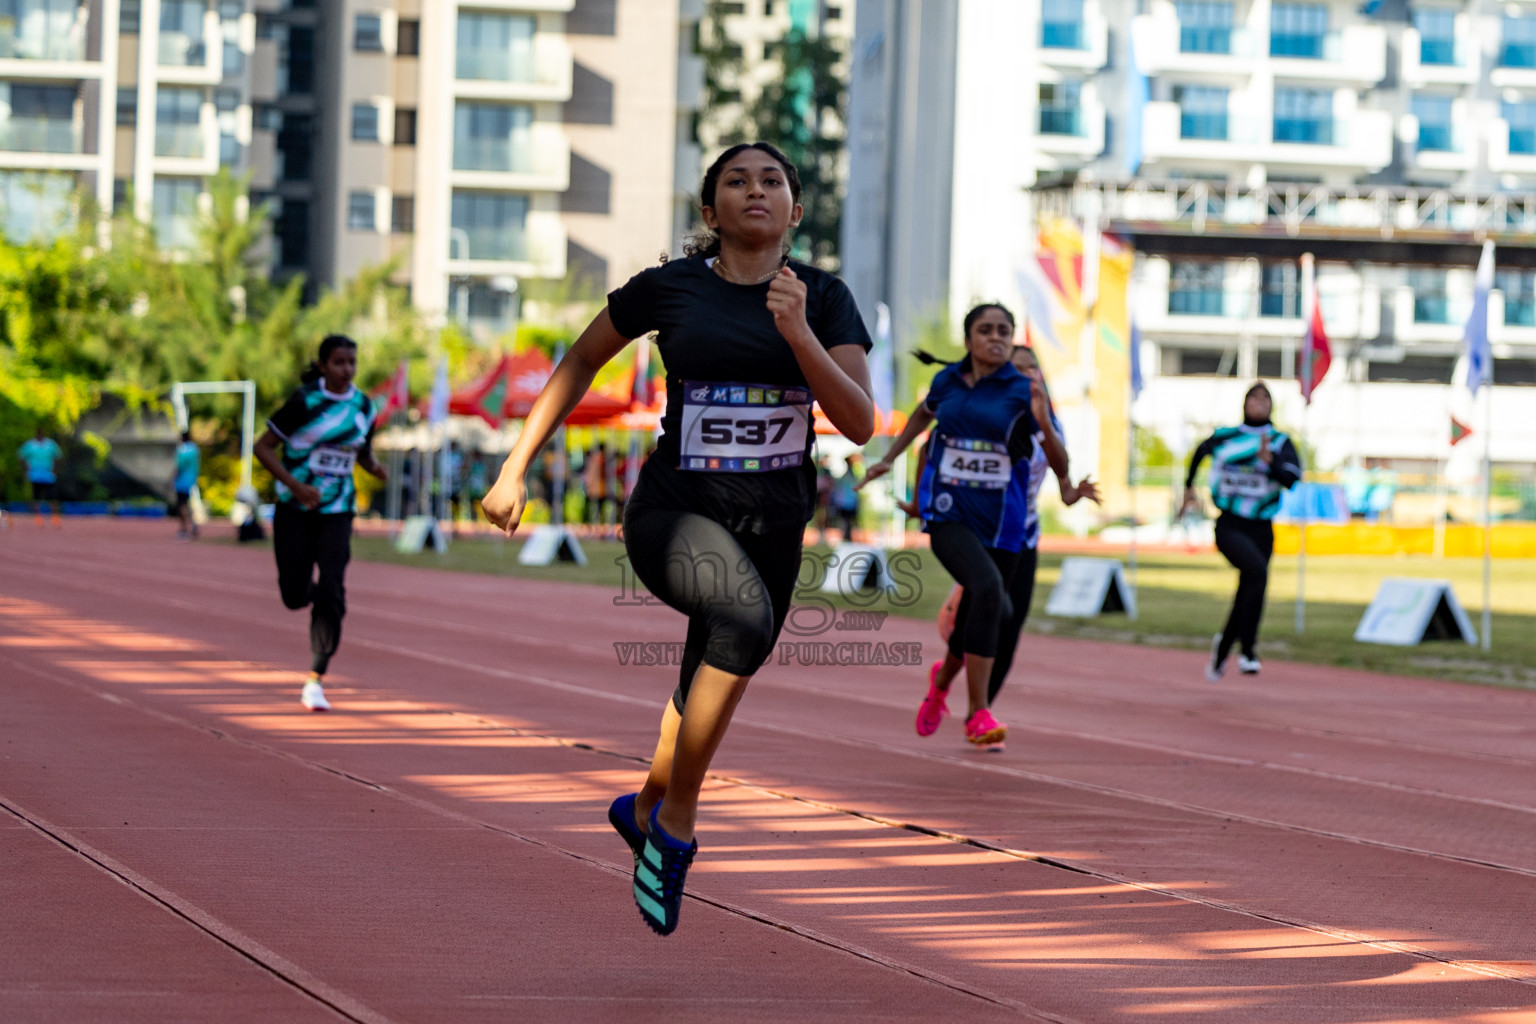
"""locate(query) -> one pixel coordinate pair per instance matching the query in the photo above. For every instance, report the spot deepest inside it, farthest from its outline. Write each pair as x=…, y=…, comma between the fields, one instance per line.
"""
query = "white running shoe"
x=1214, y=669
x=1248, y=666
x=313, y=695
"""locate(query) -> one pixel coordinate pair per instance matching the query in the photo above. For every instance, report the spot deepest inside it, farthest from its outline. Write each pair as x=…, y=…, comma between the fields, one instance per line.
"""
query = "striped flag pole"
x=1479, y=372
x=1308, y=305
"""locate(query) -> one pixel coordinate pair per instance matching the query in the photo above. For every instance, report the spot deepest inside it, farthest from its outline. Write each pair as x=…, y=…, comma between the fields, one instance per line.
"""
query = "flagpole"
x=1308, y=299
x=1487, y=637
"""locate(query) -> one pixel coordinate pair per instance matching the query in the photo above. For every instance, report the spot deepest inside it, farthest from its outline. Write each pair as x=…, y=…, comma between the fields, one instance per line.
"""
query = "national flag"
x=1316, y=355
x=1137, y=383
x=1475, y=337
x=1041, y=308
x=394, y=394
x=1459, y=431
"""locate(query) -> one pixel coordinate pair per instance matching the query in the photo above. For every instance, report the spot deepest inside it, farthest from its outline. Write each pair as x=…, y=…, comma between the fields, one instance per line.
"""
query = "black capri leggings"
x=735, y=588
x=1248, y=545
x=984, y=573
x=1021, y=591
x=304, y=541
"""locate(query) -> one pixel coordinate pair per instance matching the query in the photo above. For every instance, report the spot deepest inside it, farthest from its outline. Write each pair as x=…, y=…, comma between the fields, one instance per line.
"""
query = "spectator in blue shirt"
x=40, y=455
x=188, y=462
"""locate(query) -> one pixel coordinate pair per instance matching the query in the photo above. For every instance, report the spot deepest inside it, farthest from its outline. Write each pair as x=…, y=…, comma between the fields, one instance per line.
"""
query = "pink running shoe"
x=933, y=708
x=983, y=730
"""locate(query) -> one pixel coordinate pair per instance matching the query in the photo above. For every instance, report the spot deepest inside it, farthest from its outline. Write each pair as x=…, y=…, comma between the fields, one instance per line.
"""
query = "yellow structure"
x=1510, y=540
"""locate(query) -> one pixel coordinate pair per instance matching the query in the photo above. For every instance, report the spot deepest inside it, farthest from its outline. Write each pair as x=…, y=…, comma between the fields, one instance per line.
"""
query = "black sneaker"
x=621, y=815
x=660, y=870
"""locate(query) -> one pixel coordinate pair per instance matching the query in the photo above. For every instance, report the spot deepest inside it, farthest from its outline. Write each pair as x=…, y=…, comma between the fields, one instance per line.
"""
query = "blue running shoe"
x=621, y=815
x=660, y=871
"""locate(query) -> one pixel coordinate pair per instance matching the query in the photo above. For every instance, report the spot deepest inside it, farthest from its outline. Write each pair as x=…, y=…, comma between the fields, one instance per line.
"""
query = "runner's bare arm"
x=266, y=454
x=839, y=376
x=599, y=343
x=919, y=421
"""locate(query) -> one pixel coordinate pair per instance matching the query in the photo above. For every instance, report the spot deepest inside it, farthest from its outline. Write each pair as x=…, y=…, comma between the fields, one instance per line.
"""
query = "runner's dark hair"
x=706, y=243
x=975, y=314
x=329, y=344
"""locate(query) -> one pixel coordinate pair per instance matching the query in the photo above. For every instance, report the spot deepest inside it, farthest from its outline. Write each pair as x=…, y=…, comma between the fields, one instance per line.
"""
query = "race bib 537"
x=743, y=428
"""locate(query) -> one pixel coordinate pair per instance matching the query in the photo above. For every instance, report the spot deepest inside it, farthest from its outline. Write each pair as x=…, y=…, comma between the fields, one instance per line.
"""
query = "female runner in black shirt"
x=717, y=519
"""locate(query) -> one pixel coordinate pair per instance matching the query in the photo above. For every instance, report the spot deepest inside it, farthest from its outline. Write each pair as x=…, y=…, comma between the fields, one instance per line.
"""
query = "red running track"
x=182, y=842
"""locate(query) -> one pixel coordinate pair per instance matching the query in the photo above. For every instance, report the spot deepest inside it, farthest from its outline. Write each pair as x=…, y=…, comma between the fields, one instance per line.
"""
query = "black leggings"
x=302, y=540
x=1248, y=544
x=984, y=573
x=735, y=588
x=1021, y=591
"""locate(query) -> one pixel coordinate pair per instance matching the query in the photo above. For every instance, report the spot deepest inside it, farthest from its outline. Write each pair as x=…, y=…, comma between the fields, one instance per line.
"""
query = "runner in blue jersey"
x=717, y=519
x=1049, y=456
x=1250, y=466
x=40, y=455
x=310, y=447
x=973, y=499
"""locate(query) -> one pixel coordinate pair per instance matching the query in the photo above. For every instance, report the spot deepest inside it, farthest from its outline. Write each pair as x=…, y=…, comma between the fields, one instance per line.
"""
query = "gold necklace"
x=725, y=272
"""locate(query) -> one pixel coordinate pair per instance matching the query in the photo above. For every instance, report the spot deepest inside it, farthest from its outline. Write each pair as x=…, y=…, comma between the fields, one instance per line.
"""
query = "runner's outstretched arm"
x=920, y=420
x=599, y=343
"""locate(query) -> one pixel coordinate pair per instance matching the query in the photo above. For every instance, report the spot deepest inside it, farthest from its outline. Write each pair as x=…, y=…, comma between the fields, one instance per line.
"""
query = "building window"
x=128, y=17
x=1437, y=34
x=1519, y=288
x=733, y=8
x=127, y=106
x=495, y=47
x=1280, y=290
x=492, y=137
x=1061, y=24
x=175, y=211
x=365, y=122
x=368, y=33
x=1197, y=289
x=488, y=226
x=267, y=118
x=1430, y=303
x=402, y=215
x=1061, y=108
x=182, y=43
x=1521, y=118
x=229, y=150
x=361, y=211
x=120, y=193
x=178, y=122
x=1196, y=362
x=1518, y=47
x=1436, y=132
x=1298, y=30
x=1304, y=115
x=226, y=101
x=834, y=13
x=1205, y=26
x=408, y=38
x=405, y=127
x=1413, y=370
x=1202, y=111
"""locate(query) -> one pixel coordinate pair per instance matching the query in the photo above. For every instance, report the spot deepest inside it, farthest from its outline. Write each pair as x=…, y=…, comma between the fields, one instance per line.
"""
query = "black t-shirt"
x=710, y=330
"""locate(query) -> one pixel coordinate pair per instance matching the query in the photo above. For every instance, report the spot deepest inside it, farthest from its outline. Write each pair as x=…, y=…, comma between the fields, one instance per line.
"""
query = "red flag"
x=1459, y=431
x=1315, y=353
x=393, y=394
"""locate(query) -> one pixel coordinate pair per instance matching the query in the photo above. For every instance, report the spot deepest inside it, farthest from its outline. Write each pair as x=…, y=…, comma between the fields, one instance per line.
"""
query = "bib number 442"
x=720, y=430
x=978, y=465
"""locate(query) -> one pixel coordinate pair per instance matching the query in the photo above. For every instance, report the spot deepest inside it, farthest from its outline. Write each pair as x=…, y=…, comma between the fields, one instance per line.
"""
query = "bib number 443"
x=721, y=430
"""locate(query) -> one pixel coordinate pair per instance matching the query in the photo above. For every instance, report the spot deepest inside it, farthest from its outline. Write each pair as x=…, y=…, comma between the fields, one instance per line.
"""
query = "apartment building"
x=1222, y=139
x=481, y=143
x=120, y=98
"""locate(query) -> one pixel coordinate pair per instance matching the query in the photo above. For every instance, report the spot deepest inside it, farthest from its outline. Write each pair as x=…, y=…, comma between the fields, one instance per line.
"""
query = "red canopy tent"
x=508, y=389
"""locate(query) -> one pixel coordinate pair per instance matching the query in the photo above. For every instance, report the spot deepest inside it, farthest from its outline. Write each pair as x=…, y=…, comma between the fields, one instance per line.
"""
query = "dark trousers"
x=303, y=540
x=984, y=573
x=1248, y=545
x=735, y=588
x=1021, y=591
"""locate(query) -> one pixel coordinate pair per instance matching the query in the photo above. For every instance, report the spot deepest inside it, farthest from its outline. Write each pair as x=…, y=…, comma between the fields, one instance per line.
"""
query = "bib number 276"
x=717, y=430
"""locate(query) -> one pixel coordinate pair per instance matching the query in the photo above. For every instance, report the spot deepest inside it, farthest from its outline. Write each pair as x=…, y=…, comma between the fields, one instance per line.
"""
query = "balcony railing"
x=179, y=50
x=1518, y=55
x=1431, y=309
x=179, y=140
x=1280, y=304
x=1310, y=46
x=35, y=46
x=1062, y=35
x=1194, y=39
x=1197, y=302
x=1307, y=130
x=506, y=155
x=1437, y=138
x=1441, y=52
x=1061, y=121
x=39, y=135
x=1203, y=126
x=491, y=242
x=496, y=65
